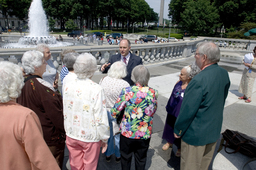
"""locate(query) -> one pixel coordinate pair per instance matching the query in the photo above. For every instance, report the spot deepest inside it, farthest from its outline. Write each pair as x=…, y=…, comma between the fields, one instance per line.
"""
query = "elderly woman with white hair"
x=85, y=115
x=22, y=144
x=112, y=85
x=174, y=104
x=140, y=104
x=50, y=75
x=39, y=96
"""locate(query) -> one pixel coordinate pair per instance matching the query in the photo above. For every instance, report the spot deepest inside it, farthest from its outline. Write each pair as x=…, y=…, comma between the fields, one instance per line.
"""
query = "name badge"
x=182, y=94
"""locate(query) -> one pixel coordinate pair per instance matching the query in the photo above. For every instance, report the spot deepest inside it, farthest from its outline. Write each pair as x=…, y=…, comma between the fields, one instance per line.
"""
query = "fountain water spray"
x=38, y=29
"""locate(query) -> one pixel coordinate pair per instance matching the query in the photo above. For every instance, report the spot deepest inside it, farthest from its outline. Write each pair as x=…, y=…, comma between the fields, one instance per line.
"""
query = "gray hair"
x=211, y=50
x=140, y=74
x=117, y=70
x=65, y=51
x=85, y=65
x=30, y=60
x=69, y=60
x=11, y=81
x=41, y=47
x=192, y=70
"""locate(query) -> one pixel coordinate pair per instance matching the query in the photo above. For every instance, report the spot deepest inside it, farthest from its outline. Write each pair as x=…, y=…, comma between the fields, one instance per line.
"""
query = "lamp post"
x=222, y=30
x=170, y=25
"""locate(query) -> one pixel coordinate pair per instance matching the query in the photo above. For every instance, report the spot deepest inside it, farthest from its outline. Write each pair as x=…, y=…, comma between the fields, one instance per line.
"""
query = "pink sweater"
x=22, y=144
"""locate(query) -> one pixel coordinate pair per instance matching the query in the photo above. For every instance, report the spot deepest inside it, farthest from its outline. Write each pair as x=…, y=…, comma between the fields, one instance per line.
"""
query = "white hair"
x=11, y=81
x=30, y=60
x=140, y=74
x=192, y=70
x=42, y=47
x=117, y=70
x=85, y=66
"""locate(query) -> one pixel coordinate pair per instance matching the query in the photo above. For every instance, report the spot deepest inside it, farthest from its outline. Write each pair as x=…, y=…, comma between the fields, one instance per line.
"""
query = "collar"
x=139, y=85
x=207, y=65
x=127, y=57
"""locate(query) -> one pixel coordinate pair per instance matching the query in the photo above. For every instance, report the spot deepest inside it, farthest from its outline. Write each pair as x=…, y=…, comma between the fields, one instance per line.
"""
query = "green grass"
x=160, y=32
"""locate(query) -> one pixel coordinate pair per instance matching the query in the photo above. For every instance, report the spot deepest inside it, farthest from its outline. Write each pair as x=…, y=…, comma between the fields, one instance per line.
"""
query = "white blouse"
x=112, y=89
x=50, y=72
x=71, y=76
x=85, y=113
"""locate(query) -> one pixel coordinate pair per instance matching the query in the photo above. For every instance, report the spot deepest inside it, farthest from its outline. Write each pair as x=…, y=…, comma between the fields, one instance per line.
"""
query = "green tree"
x=176, y=7
x=121, y=12
x=58, y=9
x=134, y=13
x=51, y=23
x=70, y=24
x=199, y=17
x=15, y=8
x=235, y=12
x=153, y=16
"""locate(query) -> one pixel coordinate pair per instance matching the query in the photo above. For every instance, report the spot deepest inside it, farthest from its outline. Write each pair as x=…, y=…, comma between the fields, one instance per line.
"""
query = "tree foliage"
x=15, y=8
x=231, y=13
x=235, y=12
x=120, y=11
x=199, y=17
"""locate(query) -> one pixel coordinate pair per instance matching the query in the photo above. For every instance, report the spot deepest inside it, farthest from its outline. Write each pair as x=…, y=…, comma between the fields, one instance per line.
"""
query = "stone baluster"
x=171, y=52
x=104, y=57
x=166, y=57
x=174, y=52
x=153, y=54
x=146, y=56
x=180, y=51
x=157, y=51
x=142, y=54
x=157, y=54
x=162, y=54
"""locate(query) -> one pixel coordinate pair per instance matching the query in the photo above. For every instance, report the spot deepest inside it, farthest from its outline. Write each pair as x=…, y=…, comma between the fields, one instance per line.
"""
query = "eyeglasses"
x=199, y=54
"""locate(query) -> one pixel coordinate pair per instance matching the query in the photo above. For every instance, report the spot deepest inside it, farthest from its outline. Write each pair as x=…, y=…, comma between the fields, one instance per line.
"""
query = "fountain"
x=38, y=30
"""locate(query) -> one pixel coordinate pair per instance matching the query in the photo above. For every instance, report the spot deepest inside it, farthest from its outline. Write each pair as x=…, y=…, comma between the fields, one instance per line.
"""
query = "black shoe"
x=118, y=159
x=108, y=158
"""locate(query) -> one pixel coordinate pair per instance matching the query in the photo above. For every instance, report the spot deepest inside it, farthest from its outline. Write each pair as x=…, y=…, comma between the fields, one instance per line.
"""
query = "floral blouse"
x=140, y=103
x=84, y=109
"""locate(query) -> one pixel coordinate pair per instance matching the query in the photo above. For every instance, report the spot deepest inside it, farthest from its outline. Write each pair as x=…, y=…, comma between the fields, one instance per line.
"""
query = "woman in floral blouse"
x=85, y=115
x=140, y=103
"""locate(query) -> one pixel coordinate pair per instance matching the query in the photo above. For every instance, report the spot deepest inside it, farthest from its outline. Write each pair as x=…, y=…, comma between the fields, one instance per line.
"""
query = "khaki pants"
x=196, y=157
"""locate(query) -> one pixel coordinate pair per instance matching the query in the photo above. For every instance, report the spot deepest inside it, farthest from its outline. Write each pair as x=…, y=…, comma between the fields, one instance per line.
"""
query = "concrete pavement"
x=238, y=115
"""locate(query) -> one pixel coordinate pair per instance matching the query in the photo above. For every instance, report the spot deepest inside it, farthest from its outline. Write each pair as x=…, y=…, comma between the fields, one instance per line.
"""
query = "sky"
x=155, y=4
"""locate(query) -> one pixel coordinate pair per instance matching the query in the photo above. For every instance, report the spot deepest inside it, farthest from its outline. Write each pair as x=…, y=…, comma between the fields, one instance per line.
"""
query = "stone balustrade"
x=149, y=52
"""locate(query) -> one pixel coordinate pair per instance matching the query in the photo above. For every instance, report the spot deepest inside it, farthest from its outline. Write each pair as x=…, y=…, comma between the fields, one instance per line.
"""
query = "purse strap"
x=251, y=160
x=227, y=142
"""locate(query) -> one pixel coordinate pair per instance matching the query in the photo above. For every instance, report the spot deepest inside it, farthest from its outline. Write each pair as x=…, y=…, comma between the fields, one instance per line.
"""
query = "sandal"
x=178, y=153
x=248, y=101
x=242, y=98
x=167, y=146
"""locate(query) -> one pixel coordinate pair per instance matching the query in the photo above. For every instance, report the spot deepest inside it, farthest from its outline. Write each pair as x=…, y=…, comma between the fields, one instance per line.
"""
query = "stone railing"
x=149, y=52
x=232, y=44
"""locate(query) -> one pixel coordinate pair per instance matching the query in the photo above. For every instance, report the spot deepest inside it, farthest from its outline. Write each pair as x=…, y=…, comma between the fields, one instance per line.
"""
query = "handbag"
x=116, y=128
x=239, y=142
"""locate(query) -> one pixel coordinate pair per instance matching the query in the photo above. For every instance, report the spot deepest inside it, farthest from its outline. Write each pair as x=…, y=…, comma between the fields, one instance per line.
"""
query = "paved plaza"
x=238, y=115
